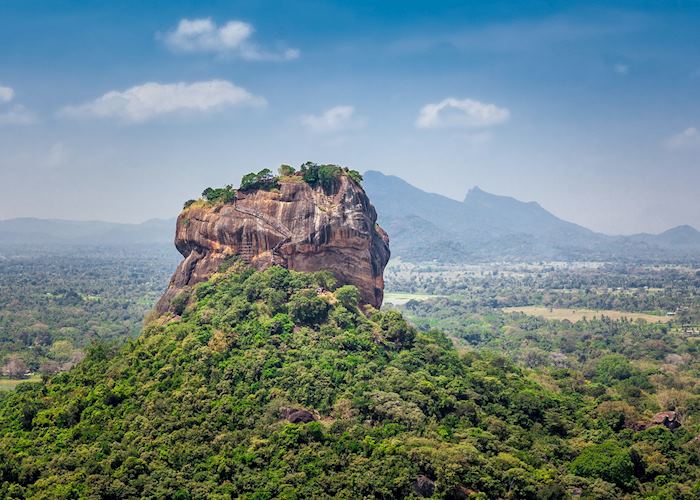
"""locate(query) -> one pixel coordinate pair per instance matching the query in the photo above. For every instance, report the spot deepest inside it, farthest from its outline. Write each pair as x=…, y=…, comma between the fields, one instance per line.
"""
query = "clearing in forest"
x=400, y=298
x=573, y=315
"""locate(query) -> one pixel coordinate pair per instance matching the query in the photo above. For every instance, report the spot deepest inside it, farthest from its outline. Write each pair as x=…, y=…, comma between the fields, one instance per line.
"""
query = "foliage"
x=607, y=461
x=262, y=180
x=286, y=170
x=326, y=175
x=55, y=302
x=613, y=368
x=307, y=308
x=196, y=405
x=348, y=296
x=225, y=194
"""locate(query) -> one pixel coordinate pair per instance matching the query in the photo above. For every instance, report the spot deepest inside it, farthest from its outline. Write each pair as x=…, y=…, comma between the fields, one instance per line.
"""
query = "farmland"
x=574, y=315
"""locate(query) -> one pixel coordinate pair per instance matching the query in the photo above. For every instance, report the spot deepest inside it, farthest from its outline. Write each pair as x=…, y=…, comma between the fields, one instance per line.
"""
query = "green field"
x=400, y=298
x=574, y=315
x=9, y=384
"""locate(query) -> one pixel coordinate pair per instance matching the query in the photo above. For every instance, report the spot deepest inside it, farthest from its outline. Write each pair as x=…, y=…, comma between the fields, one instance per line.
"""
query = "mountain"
x=422, y=227
x=484, y=226
x=678, y=237
x=271, y=385
x=28, y=230
x=265, y=382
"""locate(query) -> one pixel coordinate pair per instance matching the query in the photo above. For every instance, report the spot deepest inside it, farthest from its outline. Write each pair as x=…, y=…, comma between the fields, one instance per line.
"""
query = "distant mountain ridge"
x=484, y=226
x=29, y=230
x=422, y=226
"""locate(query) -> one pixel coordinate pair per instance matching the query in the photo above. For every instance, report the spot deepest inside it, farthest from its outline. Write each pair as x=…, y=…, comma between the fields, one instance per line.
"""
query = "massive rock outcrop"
x=297, y=226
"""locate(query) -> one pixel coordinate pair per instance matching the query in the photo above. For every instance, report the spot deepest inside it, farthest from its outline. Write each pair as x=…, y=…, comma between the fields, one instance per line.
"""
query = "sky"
x=123, y=110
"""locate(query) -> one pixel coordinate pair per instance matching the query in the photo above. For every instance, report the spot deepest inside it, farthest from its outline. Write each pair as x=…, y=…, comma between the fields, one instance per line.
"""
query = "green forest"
x=276, y=384
x=55, y=302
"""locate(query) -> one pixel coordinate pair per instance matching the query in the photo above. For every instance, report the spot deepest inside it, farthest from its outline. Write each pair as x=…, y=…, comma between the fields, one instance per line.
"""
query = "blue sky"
x=122, y=110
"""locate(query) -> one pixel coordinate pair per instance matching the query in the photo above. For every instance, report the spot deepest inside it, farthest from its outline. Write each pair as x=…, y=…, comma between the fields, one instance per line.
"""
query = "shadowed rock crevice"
x=297, y=226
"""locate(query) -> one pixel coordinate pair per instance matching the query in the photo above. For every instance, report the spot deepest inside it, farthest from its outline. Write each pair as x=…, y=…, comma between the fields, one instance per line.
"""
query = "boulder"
x=423, y=486
x=669, y=419
x=298, y=416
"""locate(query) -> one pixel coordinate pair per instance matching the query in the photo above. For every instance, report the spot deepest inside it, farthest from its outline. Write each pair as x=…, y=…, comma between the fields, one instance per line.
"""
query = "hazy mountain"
x=678, y=237
x=421, y=226
x=485, y=226
x=28, y=230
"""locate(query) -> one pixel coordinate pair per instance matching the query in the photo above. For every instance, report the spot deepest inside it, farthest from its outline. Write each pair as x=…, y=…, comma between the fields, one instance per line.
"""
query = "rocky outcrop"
x=423, y=486
x=297, y=415
x=669, y=419
x=297, y=226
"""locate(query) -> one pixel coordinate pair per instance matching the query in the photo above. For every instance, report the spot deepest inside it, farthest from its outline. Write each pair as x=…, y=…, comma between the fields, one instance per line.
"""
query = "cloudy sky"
x=122, y=110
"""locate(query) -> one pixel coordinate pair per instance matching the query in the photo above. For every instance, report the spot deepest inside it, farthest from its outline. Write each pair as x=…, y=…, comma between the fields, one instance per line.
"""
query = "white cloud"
x=334, y=119
x=687, y=139
x=234, y=37
x=453, y=112
x=13, y=114
x=621, y=69
x=144, y=102
x=6, y=94
x=17, y=115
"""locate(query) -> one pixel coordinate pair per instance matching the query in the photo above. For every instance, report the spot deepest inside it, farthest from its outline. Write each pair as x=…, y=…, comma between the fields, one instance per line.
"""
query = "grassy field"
x=9, y=384
x=574, y=315
x=400, y=298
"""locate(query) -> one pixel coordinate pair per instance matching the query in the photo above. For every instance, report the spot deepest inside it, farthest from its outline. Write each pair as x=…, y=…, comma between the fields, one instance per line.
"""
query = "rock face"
x=668, y=419
x=299, y=227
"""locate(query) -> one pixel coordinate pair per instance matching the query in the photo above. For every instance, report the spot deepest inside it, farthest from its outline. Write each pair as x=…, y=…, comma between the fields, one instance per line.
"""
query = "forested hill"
x=487, y=227
x=273, y=384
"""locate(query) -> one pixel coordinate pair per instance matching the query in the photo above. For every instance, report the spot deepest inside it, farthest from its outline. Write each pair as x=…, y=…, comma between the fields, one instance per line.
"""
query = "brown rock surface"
x=298, y=416
x=669, y=419
x=299, y=227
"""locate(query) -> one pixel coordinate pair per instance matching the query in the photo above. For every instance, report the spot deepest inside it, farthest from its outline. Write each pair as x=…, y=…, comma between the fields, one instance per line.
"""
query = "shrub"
x=179, y=302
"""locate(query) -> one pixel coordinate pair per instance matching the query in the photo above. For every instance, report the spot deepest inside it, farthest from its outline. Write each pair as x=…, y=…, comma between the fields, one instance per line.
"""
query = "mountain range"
x=425, y=226
x=33, y=231
x=422, y=226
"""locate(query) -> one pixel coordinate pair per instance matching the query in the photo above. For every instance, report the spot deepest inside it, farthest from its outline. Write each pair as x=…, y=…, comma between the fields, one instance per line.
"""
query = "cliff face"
x=299, y=227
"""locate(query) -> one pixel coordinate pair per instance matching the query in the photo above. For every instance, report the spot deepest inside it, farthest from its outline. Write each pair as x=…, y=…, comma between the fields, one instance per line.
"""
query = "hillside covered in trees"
x=275, y=384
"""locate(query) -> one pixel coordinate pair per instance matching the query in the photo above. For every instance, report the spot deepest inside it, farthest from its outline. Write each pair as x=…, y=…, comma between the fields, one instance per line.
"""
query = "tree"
x=613, y=368
x=15, y=367
x=396, y=330
x=608, y=461
x=225, y=194
x=307, y=308
x=286, y=170
x=348, y=296
x=261, y=180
